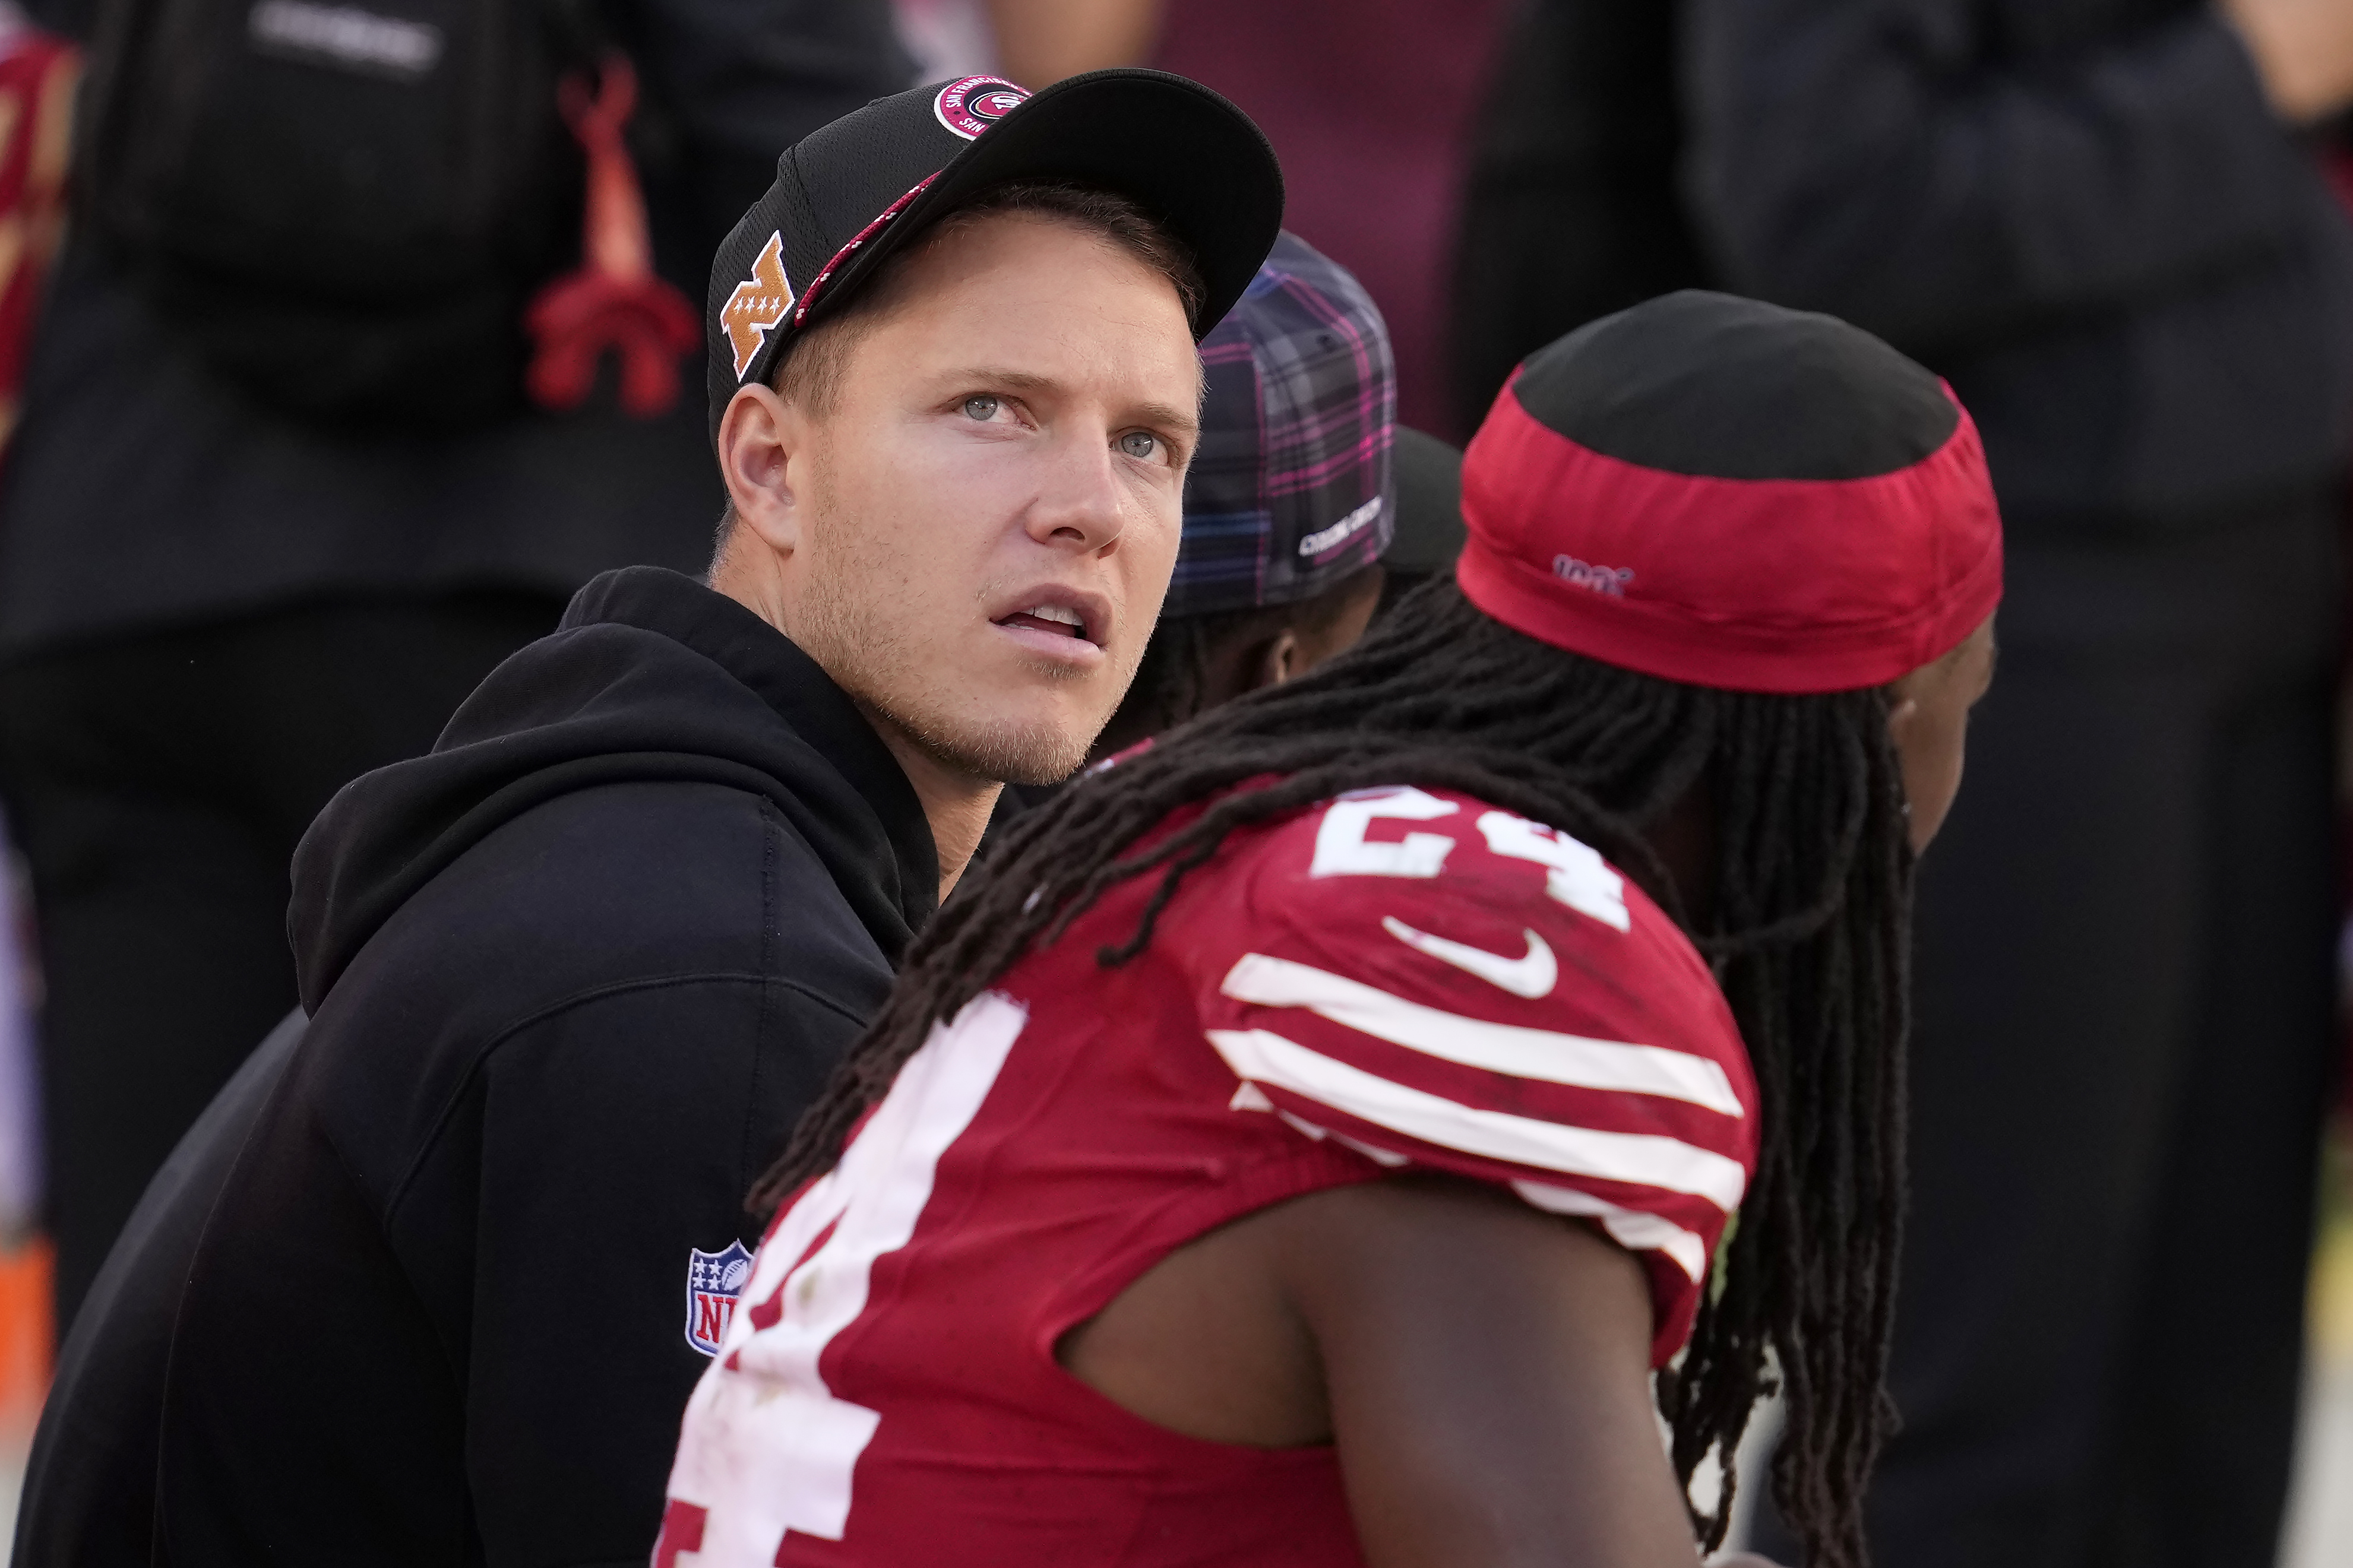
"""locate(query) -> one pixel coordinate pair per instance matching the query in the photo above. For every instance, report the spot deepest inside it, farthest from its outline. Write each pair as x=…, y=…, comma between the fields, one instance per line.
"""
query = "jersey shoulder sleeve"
x=1436, y=982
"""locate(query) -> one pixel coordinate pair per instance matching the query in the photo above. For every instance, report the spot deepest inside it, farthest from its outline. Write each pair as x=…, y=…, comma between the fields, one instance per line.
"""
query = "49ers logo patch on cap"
x=971, y=106
x=758, y=304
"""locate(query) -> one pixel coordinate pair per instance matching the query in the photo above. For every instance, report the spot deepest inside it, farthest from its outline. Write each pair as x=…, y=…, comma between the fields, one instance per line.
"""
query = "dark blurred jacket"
x=2084, y=213
x=144, y=490
x=1570, y=209
x=89, y=1496
x=2136, y=281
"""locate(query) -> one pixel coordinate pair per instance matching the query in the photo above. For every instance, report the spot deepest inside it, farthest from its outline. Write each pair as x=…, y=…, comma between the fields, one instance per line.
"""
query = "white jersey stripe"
x=1509, y=1048
x=1382, y=1157
x=820, y=1204
x=1630, y=1229
x=1640, y=1159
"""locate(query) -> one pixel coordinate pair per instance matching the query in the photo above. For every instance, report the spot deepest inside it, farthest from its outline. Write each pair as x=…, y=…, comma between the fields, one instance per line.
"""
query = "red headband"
x=1780, y=586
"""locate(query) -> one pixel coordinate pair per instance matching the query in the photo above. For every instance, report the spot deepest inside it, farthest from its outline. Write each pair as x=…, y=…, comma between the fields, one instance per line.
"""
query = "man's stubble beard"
x=870, y=657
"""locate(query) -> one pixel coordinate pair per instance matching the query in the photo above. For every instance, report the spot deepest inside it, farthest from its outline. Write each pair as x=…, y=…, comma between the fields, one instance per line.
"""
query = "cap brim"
x=1428, y=477
x=1185, y=155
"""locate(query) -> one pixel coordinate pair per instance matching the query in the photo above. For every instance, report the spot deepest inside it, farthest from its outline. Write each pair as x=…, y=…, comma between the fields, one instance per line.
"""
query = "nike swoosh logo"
x=1532, y=976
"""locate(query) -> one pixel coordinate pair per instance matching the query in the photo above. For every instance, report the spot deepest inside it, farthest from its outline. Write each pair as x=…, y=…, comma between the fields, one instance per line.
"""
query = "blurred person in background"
x=1369, y=104
x=38, y=73
x=256, y=539
x=1035, y=42
x=2098, y=218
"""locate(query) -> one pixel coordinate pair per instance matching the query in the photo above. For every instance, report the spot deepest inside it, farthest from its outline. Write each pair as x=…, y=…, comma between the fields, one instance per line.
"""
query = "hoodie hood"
x=650, y=676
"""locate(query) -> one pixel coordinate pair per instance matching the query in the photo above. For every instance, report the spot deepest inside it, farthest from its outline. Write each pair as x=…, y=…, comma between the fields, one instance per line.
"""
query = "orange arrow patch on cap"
x=758, y=303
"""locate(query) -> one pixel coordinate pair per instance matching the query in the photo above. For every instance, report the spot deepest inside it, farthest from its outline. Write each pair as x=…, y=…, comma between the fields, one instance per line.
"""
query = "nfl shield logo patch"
x=713, y=1280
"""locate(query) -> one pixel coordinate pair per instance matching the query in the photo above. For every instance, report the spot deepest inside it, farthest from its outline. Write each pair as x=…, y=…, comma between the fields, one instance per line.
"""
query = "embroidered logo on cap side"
x=971, y=106
x=1609, y=580
x=758, y=304
x=1325, y=540
x=713, y=1280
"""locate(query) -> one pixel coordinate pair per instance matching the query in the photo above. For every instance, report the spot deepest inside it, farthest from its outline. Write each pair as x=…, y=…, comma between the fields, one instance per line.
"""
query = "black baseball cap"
x=851, y=193
x=1430, y=531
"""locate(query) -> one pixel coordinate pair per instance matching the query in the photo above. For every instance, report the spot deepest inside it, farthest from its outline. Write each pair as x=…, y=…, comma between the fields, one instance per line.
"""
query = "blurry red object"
x=614, y=301
x=2336, y=167
x=27, y=1340
x=38, y=74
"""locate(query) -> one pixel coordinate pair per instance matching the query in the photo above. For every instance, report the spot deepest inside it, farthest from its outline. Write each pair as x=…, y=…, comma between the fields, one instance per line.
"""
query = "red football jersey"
x=1395, y=978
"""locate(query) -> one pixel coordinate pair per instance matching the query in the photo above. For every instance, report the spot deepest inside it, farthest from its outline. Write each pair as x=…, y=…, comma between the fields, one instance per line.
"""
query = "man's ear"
x=759, y=436
x=1904, y=701
x=1903, y=714
x=1278, y=659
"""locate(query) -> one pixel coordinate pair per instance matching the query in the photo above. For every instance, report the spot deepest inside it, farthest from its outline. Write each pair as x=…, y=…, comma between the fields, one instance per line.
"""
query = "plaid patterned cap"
x=1291, y=490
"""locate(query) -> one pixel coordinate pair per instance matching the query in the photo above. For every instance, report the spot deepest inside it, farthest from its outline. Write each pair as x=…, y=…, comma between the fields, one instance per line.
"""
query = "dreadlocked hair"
x=1809, y=936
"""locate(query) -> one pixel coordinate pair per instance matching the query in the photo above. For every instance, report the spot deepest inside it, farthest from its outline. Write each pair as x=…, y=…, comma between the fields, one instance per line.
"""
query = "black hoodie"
x=573, y=977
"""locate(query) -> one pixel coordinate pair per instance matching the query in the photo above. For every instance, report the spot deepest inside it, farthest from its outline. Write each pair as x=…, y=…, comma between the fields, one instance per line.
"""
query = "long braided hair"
x=1809, y=936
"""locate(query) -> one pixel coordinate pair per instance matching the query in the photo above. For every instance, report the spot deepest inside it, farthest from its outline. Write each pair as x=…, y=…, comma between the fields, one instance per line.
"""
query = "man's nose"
x=1080, y=504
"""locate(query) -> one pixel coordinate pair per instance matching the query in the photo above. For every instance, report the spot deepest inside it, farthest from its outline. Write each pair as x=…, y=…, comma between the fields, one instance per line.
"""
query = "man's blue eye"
x=982, y=409
x=1138, y=445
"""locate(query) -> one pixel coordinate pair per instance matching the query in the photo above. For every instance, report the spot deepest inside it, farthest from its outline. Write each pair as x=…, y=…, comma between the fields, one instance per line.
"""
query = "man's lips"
x=1051, y=642
x=1064, y=623
x=1044, y=624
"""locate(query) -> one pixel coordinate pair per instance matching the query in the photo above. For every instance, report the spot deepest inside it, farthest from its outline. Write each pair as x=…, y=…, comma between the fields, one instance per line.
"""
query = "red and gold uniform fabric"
x=38, y=73
x=1396, y=979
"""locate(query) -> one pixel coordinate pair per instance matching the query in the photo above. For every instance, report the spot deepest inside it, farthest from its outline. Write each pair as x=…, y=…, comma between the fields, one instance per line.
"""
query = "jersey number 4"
x=840, y=1227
